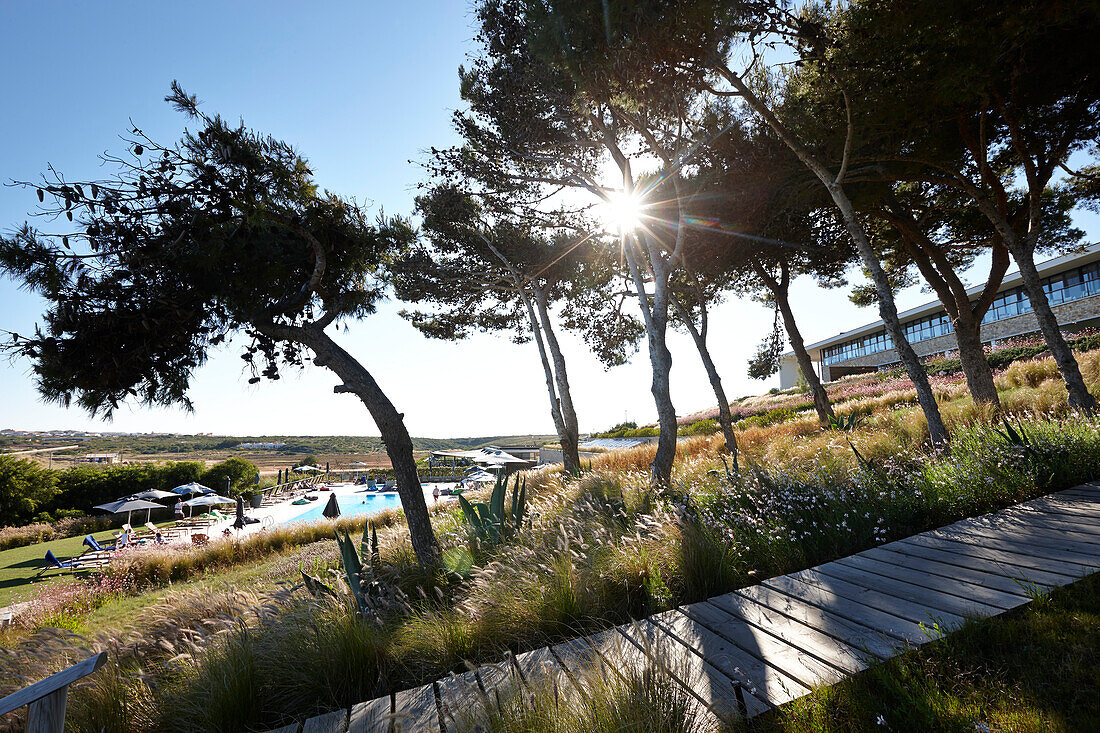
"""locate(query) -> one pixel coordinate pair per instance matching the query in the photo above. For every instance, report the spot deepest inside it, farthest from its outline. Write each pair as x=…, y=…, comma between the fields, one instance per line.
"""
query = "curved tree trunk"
x=975, y=365
x=655, y=316
x=570, y=457
x=966, y=317
x=779, y=290
x=570, y=435
x=725, y=419
x=887, y=308
x=391, y=424
x=1079, y=396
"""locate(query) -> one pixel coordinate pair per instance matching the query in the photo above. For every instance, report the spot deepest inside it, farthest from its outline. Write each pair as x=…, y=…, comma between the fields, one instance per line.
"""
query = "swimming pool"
x=353, y=503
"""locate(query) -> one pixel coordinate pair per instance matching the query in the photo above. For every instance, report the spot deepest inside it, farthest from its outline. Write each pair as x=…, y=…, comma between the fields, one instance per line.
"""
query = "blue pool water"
x=351, y=505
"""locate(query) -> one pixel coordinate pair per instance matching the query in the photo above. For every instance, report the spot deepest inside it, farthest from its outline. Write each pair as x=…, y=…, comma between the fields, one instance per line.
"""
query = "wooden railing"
x=47, y=698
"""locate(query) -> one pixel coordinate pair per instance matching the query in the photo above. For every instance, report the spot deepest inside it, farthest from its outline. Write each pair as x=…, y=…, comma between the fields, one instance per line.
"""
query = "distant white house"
x=100, y=458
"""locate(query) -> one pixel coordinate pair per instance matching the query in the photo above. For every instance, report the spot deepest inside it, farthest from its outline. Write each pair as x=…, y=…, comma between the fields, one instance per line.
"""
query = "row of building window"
x=1078, y=283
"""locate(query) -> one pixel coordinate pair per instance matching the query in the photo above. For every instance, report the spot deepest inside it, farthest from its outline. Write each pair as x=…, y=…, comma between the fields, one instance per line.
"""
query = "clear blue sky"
x=359, y=88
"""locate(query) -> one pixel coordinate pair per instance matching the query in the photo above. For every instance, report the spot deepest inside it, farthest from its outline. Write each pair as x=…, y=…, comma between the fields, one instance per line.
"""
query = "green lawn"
x=20, y=565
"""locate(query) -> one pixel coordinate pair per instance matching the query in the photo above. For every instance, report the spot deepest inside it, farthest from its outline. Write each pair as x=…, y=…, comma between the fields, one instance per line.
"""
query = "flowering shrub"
x=61, y=604
x=786, y=519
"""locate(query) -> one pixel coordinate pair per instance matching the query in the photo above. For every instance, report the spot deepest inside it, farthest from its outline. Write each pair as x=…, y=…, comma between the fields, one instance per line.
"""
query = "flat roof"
x=1012, y=279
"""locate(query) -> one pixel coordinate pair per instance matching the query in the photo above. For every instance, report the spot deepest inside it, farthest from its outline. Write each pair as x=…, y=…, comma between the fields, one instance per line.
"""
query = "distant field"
x=337, y=450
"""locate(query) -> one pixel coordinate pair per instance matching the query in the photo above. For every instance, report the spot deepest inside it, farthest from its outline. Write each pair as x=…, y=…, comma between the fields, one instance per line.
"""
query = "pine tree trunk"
x=1079, y=396
x=391, y=424
x=887, y=309
x=570, y=435
x=822, y=405
x=570, y=457
x=975, y=366
x=655, y=317
x=725, y=419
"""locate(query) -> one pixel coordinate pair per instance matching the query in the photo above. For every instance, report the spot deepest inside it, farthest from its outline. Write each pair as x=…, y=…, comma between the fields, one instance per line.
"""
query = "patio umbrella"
x=154, y=494
x=309, y=469
x=332, y=509
x=207, y=500
x=192, y=488
x=129, y=505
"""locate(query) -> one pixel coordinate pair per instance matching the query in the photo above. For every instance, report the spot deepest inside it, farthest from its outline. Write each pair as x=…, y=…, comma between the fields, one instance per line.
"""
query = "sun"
x=621, y=213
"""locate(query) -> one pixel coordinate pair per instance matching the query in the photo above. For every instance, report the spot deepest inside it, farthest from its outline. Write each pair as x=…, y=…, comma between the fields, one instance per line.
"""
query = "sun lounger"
x=199, y=539
x=75, y=563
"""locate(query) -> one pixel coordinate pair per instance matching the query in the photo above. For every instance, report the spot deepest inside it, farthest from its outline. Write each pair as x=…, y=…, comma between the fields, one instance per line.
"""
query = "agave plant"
x=370, y=594
x=491, y=522
x=846, y=423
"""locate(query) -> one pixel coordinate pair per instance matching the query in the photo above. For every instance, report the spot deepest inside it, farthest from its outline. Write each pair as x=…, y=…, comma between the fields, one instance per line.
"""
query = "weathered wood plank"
x=918, y=575
x=51, y=684
x=1011, y=526
x=872, y=644
x=415, y=711
x=805, y=638
x=1011, y=541
x=372, y=716
x=829, y=599
x=905, y=608
x=462, y=701
x=970, y=574
x=766, y=681
x=574, y=656
x=1089, y=531
x=334, y=722
x=1062, y=506
x=934, y=602
x=1027, y=563
x=701, y=678
x=541, y=670
x=958, y=555
x=809, y=670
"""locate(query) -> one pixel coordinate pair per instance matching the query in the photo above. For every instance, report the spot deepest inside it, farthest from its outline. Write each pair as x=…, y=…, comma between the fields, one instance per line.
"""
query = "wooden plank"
x=415, y=710
x=1011, y=527
x=47, y=713
x=920, y=576
x=883, y=622
x=809, y=670
x=913, y=611
x=971, y=575
x=870, y=642
x=541, y=671
x=766, y=681
x=1039, y=547
x=372, y=716
x=334, y=722
x=461, y=700
x=1086, y=542
x=497, y=680
x=935, y=603
x=51, y=684
x=1028, y=564
x=574, y=657
x=1036, y=518
x=835, y=653
x=701, y=678
x=1055, y=505
x=955, y=555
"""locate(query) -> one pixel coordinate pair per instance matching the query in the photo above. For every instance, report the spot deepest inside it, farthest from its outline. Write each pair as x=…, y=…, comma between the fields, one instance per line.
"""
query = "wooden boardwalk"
x=778, y=640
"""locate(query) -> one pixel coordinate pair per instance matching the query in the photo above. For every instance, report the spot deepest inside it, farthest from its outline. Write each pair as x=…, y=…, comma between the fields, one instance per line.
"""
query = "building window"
x=1078, y=283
